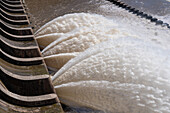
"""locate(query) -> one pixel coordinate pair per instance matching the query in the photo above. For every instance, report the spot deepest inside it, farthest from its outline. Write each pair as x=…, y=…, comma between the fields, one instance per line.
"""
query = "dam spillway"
x=20, y=54
x=25, y=84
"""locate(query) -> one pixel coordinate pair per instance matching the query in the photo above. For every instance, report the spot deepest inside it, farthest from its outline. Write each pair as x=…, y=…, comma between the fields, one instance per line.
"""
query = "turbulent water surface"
x=120, y=75
x=124, y=75
x=66, y=36
x=157, y=8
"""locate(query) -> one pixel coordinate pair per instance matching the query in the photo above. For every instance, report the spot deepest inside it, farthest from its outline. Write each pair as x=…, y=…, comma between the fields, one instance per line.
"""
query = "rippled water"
x=42, y=11
x=157, y=8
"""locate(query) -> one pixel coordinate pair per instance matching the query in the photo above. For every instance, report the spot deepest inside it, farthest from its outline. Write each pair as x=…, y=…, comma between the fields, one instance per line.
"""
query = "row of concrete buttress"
x=25, y=85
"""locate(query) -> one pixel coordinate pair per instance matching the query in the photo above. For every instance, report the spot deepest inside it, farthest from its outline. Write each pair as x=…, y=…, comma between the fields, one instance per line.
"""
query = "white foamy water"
x=123, y=75
x=119, y=75
x=69, y=22
x=77, y=32
x=74, y=33
x=165, y=19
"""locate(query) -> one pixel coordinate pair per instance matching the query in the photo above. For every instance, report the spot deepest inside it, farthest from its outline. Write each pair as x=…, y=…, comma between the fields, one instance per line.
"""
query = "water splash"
x=123, y=75
x=132, y=62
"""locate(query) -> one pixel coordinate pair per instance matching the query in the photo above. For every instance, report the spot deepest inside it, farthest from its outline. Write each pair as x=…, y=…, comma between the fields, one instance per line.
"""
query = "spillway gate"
x=25, y=85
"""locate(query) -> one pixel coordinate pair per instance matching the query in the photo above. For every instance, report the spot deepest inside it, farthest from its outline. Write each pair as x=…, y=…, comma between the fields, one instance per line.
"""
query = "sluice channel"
x=25, y=84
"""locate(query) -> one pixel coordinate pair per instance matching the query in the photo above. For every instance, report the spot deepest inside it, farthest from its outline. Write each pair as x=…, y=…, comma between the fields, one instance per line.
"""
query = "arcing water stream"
x=124, y=69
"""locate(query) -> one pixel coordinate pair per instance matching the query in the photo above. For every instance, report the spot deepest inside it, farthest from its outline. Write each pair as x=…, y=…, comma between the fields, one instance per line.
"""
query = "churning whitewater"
x=110, y=69
x=74, y=33
x=123, y=75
